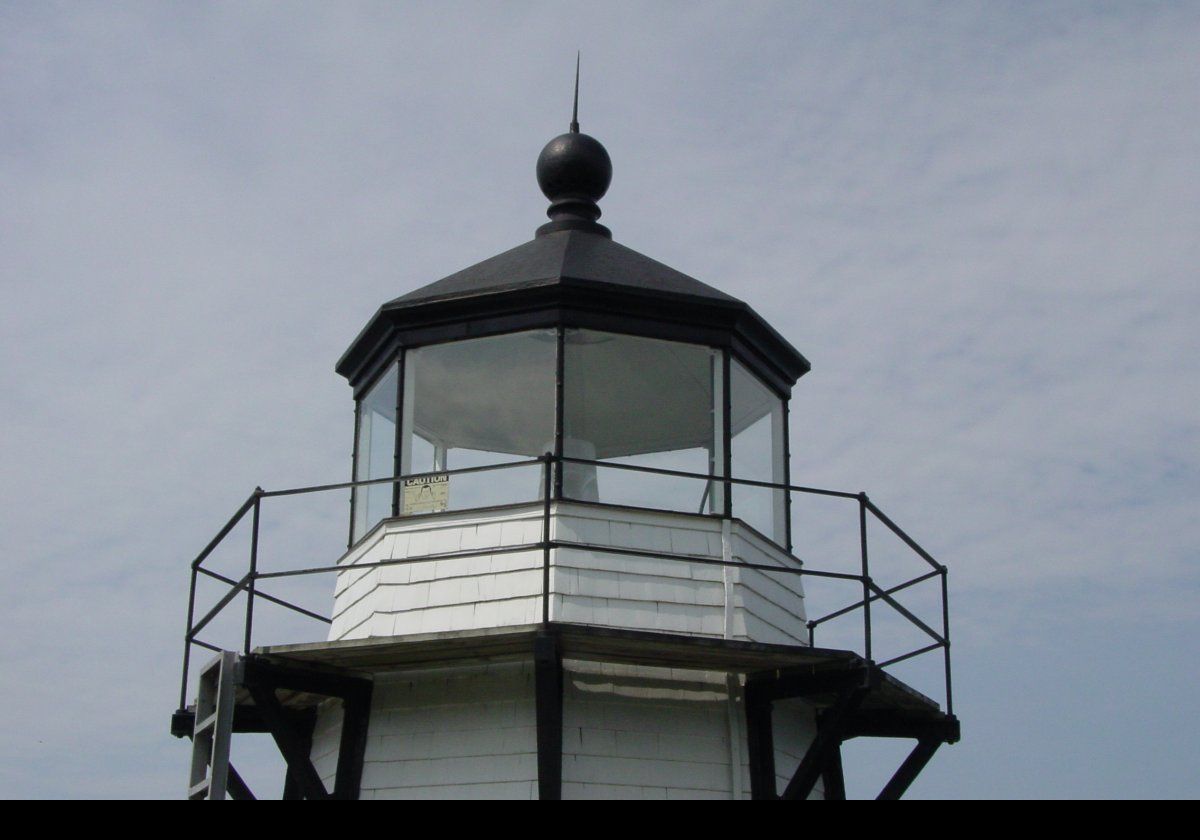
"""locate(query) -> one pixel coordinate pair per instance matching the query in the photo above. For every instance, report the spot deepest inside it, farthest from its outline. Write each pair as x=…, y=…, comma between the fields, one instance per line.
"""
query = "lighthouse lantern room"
x=571, y=570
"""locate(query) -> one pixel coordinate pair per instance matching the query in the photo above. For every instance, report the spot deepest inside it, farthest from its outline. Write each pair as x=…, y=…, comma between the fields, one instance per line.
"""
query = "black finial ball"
x=574, y=165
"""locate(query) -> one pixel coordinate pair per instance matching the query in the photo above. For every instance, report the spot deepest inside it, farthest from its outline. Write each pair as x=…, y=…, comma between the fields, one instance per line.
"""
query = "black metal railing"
x=872, y=592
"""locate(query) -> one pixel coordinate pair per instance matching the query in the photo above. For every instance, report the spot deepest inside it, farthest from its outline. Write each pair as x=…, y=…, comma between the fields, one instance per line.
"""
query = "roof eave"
x=573, y=301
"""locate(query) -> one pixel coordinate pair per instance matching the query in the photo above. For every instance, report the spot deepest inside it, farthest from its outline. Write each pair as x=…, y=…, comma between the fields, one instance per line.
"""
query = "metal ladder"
x=213, y=729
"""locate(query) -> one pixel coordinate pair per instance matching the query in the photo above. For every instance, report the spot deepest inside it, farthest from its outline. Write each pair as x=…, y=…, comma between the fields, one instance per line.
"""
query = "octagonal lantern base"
x=611, y=567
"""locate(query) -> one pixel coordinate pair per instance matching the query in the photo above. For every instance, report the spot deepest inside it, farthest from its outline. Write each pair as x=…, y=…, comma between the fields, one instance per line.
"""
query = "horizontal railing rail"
x=872, y=593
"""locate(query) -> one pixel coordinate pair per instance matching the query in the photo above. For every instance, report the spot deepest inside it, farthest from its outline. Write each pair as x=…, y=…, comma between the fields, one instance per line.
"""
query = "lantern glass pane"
x=479, y=402
x=375, y=455
x=757, y=453
x=644, y=402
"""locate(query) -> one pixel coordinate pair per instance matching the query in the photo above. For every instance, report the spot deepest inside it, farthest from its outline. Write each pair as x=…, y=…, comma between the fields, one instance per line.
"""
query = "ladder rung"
x=211, y=666
x=209, y=722
x=198, y=790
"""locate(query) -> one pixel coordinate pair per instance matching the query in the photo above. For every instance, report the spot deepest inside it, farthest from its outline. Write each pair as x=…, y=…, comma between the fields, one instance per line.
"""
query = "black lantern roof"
x=572, y=273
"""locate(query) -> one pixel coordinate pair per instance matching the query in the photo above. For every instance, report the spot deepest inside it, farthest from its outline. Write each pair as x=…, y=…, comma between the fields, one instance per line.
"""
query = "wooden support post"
x=356, y=712
x=760, y=742
x=237, y=787
x=833, y=777
x=548, y=697
x=291, y=787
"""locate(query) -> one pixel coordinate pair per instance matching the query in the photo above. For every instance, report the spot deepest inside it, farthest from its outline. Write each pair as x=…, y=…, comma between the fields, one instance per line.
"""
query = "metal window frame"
x=355, y=453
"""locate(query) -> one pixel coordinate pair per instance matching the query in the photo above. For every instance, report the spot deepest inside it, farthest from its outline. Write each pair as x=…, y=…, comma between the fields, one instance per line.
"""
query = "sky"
x=977, y=220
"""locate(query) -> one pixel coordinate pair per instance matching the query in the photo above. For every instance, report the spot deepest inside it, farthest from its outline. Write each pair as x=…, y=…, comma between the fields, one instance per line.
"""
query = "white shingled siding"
x=491, y=590
x=638, y=593
x=325, y=743
x=630, y=733
x=769, y=605
x=587, y=586
x=451, y=733
x=638, y=733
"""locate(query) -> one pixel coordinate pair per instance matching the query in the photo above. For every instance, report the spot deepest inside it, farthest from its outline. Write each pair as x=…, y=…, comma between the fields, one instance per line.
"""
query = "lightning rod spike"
x=575, y=110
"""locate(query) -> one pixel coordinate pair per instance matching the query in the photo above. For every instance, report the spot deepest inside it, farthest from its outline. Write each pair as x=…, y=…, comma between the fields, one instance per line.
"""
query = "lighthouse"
x=571, y=568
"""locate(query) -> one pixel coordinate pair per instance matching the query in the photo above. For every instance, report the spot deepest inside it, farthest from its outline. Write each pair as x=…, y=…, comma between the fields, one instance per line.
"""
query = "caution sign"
x=426, y=494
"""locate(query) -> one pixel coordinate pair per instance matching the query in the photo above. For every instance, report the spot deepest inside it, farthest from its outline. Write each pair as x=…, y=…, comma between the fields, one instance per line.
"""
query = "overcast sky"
x=978, y=221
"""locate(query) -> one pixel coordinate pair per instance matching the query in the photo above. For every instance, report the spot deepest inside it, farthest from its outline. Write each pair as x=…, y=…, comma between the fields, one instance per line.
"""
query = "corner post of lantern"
x=354, y=473
x=398, y=465
x=547, y=488
x=554, y=466
x=560, y=363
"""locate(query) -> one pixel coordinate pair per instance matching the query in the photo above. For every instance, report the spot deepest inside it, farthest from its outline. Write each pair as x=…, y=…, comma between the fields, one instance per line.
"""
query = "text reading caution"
x=426, y=494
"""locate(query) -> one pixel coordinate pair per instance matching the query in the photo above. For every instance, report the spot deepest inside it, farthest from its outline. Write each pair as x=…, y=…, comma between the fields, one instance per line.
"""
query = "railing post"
x=187, y=641
x=866, y=574
x=253, y=568
x=946, y=636
x=547, y=488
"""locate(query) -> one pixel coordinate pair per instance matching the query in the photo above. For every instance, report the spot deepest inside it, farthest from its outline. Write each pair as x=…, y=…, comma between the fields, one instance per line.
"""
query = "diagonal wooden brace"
x=912, y=766
x=291, y=743
x=828, y=742
x=237, y=787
